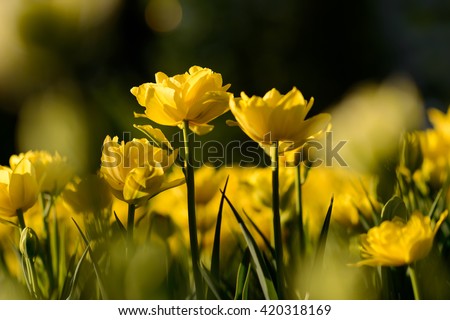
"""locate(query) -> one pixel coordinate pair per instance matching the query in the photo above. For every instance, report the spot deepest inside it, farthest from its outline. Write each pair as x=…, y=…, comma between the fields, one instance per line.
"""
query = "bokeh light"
x=163, y=15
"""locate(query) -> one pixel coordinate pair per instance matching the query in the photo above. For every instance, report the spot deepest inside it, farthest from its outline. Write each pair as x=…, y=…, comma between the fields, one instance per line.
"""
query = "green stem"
x=299, y=207
x=130, y=227
x=276, y=219
x=192, y=220
x=47, y=203
x=22, y=224
x=33, y=277
x=414, y=282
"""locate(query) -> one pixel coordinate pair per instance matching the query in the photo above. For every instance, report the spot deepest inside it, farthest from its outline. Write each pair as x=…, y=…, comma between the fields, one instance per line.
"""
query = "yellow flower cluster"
x=142, y=178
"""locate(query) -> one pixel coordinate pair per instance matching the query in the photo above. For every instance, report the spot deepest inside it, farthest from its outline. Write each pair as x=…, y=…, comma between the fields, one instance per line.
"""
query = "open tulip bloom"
x=277, y=118
x=196, y=96
x=397, y=243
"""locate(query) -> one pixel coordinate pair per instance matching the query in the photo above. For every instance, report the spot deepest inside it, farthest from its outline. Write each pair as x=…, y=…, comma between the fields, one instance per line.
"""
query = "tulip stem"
x=298, y=188
x=192, y=220
x=414, y=282
x=22, y=224
x=276, y=219
x=130, y=227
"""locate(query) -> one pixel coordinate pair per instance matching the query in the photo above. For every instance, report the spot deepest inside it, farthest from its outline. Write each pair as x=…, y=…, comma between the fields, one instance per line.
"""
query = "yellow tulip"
x=53, y=172
x=278, y=118
x=396, y=243
x=196, y=96
x=135, y=170
x=435, y=146
x=18, y=188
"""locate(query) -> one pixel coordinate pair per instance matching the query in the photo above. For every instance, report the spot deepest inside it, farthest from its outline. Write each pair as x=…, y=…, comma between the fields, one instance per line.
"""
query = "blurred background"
x=66, y=66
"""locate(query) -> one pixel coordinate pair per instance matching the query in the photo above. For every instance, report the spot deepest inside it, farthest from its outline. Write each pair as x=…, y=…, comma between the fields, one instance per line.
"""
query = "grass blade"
x=320, y=250
x=215, y=257
x=242, y=275
x=94, y=263
x=262, y=272
x=435, y=203
x=258, y=230
x=68, y=278
x=212, y=283
x=76, y=273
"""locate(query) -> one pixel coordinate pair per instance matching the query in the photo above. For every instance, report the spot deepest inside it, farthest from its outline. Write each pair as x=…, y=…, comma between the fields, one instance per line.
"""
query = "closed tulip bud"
x=29, y=243
x=411, y=156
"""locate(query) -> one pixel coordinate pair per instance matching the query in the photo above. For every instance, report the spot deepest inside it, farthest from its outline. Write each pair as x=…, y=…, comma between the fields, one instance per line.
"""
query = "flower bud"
x=411, y=152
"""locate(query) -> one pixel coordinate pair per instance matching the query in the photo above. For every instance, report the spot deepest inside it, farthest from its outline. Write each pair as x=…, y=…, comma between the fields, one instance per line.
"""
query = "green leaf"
x=262, y=272
x=320, y=250
x=215, y=258
x=435, y=203
x=242, y=275
x=94, y=263
x=68, y=278
x=374, y=211
x=76, y=274
x=395, y=207
x=258, y=230
x=363, y=220
x=122, y=228
x=7, y=222
x=213, y=284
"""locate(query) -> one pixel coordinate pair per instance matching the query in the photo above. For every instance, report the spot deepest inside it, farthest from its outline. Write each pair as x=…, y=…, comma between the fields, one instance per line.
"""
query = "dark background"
x=90, y=58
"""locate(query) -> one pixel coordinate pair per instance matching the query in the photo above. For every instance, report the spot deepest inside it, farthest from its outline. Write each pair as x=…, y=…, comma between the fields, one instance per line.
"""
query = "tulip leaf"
x=262, y=271
x=215, y=260
x=68, y=278
x=76, y=273
x=94, y=263
x=213, y=284
x=320, y=250
x=258, y=230
x=435, y=203
x=395, y=207
x=4, y=221
x=243, y=275
x=122, y=228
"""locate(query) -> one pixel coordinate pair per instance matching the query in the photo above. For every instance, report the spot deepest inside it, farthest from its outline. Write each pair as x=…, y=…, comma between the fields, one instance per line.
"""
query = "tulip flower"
x=396, y=243
x=135, y=170
x=196, y=96
x=18, y=188
x=53, y=172
x=278, y=118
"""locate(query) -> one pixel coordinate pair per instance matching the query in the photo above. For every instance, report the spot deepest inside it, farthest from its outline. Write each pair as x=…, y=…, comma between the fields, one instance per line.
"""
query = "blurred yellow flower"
x=354, y=194
x=441, y=122
x=18, y=188
x=372, y=117
x=196, y=96
x=396, y=243
x=435, y=145
x=53, y=172
x=90, y=194
x=278, y=118
x=135, y=170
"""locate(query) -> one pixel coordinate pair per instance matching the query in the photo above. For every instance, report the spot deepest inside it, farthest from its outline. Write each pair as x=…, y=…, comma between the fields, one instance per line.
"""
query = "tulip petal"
x=23, y=187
